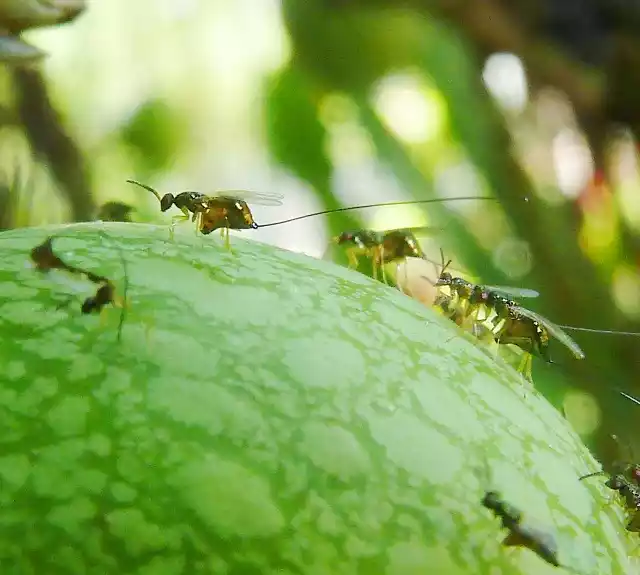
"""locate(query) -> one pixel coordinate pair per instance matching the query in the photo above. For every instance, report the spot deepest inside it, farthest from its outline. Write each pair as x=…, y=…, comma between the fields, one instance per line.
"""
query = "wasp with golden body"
x=222, y=210
x=382, y=247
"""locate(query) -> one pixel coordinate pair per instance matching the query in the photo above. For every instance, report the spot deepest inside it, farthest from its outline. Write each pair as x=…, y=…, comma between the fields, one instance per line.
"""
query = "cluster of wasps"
x=487, y=310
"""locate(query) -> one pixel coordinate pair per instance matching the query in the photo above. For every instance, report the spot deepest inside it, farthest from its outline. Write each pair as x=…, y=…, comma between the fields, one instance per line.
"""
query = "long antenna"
x=623, y=394
x=606, y=331
x=148, y=188
x=381, y=205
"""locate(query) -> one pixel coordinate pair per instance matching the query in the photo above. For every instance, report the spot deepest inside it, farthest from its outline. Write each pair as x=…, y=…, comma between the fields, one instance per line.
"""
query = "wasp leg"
x=398, y=285
x=496, y=352
x=352, y=257
x=123, y=305
x=177, y=219
x=197, y=218
x=374, y=267
x=384, y=274
x=227, y=240
x=525, y=365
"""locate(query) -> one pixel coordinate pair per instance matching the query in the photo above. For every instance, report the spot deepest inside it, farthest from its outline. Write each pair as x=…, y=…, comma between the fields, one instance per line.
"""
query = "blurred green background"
x=339, y=102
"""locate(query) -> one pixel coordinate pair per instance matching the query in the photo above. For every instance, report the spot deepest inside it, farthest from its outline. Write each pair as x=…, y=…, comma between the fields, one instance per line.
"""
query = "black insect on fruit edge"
x=542, y=543
x=46, y=260
x=624, y=479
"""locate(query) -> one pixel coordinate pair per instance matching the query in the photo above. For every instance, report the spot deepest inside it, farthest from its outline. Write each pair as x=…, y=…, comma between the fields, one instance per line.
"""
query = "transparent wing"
x=512, y=291
x=260, y=198
x=553, y=329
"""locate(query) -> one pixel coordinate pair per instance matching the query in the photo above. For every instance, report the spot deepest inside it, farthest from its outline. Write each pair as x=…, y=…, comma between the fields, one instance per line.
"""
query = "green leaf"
x=286, y=415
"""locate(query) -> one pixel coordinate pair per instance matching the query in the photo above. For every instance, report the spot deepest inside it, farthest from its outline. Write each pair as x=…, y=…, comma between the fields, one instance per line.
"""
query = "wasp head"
x=345, y=237
x=445, y=279
x=166, y=202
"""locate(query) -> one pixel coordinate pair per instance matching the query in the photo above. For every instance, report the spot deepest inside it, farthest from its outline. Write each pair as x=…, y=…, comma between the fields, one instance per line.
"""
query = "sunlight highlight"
x=396, y=217
x=626, y=290
x=572, y=161
x=582, y=411
x=414, y=111
x=349, y=142
x=505, y=78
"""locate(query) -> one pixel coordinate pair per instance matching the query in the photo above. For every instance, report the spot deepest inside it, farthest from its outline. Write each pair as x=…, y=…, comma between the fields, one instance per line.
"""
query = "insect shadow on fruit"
x=46, y=260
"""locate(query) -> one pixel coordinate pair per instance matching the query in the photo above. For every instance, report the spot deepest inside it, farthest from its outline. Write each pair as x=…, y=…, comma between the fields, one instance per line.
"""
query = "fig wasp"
x=223, y=210
x=625, y=479
x=45, y=260
x=510, y=323
x=227, y=210
x=382, y=247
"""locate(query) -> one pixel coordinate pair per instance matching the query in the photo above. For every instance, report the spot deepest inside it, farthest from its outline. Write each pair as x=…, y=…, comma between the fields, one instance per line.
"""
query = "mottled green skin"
x=286, y=416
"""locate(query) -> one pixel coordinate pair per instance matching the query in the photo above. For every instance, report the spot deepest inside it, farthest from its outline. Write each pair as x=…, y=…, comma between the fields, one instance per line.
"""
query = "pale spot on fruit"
x=71, y=515
x=83, y=366
x=99, y=444
x=335, y=450
x=184, y=354
x=123, y=493
x=91, y=480
x=69, y=416
x=138, y=535
x=202, y=405
x=14, y=370
x=14, y=470
x=166, y=566
x=229, y=498
x=312, y=362
x=560, y=479
x=452, y=411
x=414, y=558
x=416, y=448
x=44, y=386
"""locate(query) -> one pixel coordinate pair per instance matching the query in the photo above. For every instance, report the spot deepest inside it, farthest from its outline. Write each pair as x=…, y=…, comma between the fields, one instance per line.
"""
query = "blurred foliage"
x=154, y=134
x=193, y=116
